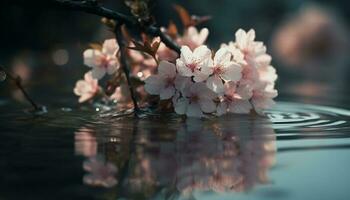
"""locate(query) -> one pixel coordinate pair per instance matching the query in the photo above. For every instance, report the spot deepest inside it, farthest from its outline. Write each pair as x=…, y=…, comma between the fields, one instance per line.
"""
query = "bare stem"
x=18, y=81
x=124, y=64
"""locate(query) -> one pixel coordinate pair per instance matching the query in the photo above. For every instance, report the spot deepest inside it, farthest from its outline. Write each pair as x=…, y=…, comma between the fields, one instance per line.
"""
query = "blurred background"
x=308, y=40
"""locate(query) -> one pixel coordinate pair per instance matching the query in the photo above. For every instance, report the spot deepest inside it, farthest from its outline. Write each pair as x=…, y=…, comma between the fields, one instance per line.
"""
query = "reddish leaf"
x=189, y=20
x=172, y=30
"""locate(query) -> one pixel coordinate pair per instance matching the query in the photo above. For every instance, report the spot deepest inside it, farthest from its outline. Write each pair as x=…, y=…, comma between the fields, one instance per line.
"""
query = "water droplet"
x=2, y=76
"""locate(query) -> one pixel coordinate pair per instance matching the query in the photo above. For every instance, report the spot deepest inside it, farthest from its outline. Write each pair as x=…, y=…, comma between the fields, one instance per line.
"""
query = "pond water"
x=297, y=151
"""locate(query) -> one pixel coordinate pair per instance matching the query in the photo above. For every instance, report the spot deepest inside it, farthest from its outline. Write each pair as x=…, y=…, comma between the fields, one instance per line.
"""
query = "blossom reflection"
x=220, y=157
x=232, y=154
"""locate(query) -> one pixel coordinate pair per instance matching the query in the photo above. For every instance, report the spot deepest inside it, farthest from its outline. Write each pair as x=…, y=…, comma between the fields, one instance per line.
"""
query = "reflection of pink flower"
x=101, y=173
x=102, y=61
x=121, y=94
x=86, y=88
x=85, y=143
x=232, y=155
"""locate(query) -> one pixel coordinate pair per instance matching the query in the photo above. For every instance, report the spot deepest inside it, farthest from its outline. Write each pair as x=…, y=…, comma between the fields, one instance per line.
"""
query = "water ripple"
x=290, y=119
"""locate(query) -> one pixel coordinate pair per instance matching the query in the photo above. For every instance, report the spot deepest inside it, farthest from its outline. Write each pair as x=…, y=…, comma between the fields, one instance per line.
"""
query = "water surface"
x=297, y=151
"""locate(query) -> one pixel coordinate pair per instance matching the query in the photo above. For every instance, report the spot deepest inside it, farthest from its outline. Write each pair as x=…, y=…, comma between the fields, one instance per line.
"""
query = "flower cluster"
x=236, y=79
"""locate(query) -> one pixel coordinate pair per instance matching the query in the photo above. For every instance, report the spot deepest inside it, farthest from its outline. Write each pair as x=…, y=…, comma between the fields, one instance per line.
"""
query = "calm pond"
x=297, y=151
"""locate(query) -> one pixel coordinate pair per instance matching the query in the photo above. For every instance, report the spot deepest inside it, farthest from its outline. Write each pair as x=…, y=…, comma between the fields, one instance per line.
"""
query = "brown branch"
x=120, y=39
x=18, y=81
x=93, y=7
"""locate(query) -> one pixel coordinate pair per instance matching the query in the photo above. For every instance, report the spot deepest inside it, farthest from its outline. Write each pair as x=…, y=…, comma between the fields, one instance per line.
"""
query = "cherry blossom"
x=162, y=84
x=193, y=38
x=86, y=88
x=194, y=63
x=101, y=173
x=196, y=100
x=250, y=48
x=223, y=69
x=263, y=96
x=235, y=99
x=102, y=61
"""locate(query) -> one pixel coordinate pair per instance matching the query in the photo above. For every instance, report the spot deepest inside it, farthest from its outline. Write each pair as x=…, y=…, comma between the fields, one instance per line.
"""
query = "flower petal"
x=199, y=76
x=98, y=73
x=222, y=56
x=221, y=109
x=215, y=83
x=91, y=57
x=186, y=54
x=110, y=47
x=203, y=35
x=207, y=105
x=202, y=53
x=240, y=106
x=233, y=72
x=183, y=69
x=194, y=110
x=154, y=84
x=241, y=38
x=167, y=93
x=183, y=84
x=112, y=66
x=181, y=106
x=167, y=69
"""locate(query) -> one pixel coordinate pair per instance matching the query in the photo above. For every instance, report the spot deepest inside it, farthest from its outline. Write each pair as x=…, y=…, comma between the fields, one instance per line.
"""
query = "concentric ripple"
x=294, y=118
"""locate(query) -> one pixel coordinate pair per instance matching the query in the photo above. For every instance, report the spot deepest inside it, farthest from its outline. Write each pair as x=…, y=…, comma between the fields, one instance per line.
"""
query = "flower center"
x=228, y=98
x=194, y=98
x=169, y=82
x=218, y=70
x=104, y=62
x=192, y=66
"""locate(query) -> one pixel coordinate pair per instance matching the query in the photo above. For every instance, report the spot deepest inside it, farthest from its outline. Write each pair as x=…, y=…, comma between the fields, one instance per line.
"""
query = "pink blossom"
x=86, y=88
x=222, y=69
x=163, y=83
x=196, y=100
x=235, y=99
x=101, y=173
x=193, y=38
x=194, y=63
x=263, y=95
x=104, y=61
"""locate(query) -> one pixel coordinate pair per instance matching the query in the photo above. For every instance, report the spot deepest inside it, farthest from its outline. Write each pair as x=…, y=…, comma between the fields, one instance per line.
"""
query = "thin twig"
x=155, y=31
x=93, y=7
x=124, y=64
x=18, y=81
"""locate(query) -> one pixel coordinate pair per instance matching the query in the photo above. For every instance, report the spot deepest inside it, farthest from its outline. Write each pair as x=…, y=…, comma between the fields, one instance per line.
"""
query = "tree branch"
x=124, y=64
x=18, y=81
x=93, y=7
